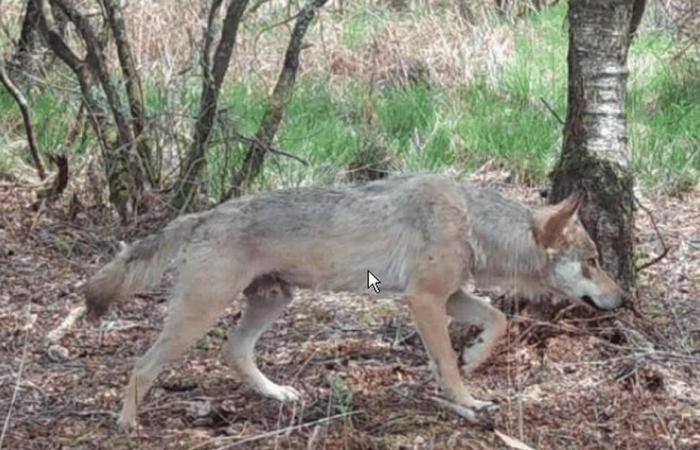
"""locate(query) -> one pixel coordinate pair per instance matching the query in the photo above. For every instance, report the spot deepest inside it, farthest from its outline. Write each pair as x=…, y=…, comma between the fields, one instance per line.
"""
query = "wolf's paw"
x=485, y=406
x=485, y=412
x=476, y=412
x=280, y=393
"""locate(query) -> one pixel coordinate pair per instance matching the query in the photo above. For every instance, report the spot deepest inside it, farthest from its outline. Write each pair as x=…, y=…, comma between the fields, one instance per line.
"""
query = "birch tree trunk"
x=596, y=156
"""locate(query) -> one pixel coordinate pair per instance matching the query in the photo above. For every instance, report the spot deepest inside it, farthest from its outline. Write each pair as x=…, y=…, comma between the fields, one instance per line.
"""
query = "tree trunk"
x=132, y=83
x=27, y=43
x=214, y=71
x=124, y=174
x=28, y=60
x=277, y=103
x=595, y=156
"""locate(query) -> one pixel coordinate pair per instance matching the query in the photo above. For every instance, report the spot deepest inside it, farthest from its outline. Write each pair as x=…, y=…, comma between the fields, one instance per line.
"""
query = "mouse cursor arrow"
x=373, y=282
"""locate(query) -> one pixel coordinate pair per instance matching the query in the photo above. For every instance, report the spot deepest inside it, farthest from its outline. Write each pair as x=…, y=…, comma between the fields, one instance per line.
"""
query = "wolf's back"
x=138, y=266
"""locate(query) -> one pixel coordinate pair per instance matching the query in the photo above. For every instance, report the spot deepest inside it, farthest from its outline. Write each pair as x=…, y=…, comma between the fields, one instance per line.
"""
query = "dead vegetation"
x=565, y=378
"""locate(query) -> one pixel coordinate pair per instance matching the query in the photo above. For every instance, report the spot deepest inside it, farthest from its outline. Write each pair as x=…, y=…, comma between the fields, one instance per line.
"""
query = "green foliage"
x=341, y=396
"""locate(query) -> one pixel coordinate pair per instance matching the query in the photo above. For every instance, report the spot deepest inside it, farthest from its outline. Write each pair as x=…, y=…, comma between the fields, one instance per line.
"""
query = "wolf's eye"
x=592, y=262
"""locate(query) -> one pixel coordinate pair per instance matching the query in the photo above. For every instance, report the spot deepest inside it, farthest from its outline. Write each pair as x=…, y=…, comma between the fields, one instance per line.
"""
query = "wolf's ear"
x=550, y=221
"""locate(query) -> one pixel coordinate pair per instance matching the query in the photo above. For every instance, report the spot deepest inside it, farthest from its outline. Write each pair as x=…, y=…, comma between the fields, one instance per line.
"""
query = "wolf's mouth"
x=589, y=301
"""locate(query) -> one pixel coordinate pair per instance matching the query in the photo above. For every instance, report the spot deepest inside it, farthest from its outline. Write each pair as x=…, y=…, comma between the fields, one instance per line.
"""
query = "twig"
x=94, y=412
x=512, y=442
x=26, y=118
x=35, y=222
x=271, y=149
x=15, y=392
x=455, y=408
x=314, y=439
x=271, y=433
x=665, y=251
x=551, y=110
x=57, y=333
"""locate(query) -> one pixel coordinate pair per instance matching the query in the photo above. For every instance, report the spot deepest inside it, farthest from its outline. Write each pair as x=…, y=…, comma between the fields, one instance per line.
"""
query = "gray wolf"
x=424, y=236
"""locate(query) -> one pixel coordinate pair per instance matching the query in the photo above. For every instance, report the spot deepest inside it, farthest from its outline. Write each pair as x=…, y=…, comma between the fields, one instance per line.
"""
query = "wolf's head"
x=573, y=269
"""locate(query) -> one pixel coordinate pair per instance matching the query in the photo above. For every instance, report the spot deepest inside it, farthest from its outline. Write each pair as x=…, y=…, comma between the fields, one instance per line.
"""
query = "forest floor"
x=565, y=378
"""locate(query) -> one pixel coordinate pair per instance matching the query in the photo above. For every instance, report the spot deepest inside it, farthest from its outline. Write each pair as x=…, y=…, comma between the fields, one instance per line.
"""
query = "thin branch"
x=665, y=250
x=55, y=40
x=56, y=43
x=96, y=60
x=134, y=91
x=462, y=411
x=269, y=434
x=256, y=5
x=551, y=110
x=26, y=117
x=15, y=392
x=271, y=149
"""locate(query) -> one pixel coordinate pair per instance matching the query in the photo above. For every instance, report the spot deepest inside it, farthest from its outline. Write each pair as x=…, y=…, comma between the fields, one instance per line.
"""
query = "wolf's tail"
x=138, y=266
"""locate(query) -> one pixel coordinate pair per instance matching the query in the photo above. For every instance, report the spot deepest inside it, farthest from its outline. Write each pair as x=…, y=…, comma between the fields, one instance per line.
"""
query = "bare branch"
x=665, y=250
x=124, y=171
x=209, y=38
x=97, y=61
x=270, y=149
x=551, y=110
x=277, y=103
x=60, y=182
x=26, y=117
x=134, y=92
x=193, y=164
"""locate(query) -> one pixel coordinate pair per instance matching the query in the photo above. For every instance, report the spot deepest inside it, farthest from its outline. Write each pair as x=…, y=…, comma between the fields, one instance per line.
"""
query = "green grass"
x=496, y=125
x=664, y=114
x=361, y=28
x=433, y=129
x=49, y=115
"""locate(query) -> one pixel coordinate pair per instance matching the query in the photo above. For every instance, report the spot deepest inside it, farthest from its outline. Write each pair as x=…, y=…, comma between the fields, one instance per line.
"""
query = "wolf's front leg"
x=429, y=313
x=469, y=309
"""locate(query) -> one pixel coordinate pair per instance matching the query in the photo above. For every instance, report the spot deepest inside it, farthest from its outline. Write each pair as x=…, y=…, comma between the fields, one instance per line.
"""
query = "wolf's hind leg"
x=469, y=309
x=199, y=298
x=266, y=299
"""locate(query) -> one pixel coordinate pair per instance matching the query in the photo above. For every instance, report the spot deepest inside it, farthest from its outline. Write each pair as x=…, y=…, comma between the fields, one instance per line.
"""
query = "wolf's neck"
x=502, y=240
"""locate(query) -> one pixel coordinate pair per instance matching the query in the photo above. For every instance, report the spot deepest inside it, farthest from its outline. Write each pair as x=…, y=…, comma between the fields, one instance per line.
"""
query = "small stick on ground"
x=35, y=222
x=223, y=440
x=665, y=250
x=460, y=410
x=55, y=335
x=18, y=382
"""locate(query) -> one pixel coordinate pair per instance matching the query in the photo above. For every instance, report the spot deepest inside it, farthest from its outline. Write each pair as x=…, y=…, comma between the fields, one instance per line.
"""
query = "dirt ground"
x=565, y=378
